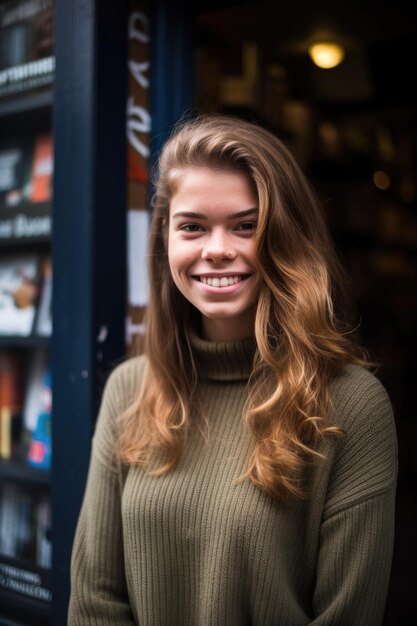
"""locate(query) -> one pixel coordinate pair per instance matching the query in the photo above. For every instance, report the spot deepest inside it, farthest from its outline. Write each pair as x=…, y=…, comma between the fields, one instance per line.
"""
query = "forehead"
x=196, y=185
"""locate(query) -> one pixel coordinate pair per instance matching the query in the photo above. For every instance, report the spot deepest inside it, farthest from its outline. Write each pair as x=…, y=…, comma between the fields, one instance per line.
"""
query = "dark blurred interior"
x=353, y=129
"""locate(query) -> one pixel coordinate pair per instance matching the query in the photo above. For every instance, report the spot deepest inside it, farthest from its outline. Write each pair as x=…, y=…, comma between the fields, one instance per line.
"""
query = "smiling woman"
x=211, y=249
x=243, y=469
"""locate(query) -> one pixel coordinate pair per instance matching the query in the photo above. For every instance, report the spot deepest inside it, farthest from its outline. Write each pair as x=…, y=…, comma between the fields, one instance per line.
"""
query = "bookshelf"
x=26, y=172
x=87, y=219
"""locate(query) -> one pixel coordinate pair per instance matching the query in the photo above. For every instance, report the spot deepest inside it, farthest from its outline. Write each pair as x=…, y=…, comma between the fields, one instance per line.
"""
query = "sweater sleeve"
x=99, y=593
x=357, y=530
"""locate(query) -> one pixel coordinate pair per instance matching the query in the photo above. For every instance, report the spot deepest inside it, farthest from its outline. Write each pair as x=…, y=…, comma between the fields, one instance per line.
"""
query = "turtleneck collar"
x=227, y=361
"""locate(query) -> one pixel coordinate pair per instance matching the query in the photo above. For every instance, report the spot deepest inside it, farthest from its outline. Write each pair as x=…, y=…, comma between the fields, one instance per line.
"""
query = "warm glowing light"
x=326, y=54
x=381, y=180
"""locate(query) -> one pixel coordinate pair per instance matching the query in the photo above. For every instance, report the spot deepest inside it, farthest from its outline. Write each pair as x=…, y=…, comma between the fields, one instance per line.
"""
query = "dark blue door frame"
x=88, y=248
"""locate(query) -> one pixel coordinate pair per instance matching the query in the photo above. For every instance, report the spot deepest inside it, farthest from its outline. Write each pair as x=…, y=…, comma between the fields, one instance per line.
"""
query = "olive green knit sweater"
x=196, y=548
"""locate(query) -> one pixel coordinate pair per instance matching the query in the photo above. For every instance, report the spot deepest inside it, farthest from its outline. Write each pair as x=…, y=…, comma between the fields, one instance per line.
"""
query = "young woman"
x=243, y=470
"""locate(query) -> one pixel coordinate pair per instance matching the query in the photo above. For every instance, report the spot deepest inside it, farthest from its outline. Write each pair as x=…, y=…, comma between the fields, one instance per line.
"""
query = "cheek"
x=173, y=268
x=180, y=255
x=177, y=262
x=251, y=252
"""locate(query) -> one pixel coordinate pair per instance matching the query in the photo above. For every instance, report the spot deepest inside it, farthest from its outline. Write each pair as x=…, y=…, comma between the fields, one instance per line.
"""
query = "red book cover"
x=42, y=170
x=11, y=401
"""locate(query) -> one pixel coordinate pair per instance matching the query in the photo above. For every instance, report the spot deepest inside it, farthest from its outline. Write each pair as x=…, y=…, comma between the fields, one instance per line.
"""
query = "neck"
x=226, y=361
x=226, y=330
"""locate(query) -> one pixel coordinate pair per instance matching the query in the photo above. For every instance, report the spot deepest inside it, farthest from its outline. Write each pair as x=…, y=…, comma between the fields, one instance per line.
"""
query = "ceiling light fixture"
x=326, y=54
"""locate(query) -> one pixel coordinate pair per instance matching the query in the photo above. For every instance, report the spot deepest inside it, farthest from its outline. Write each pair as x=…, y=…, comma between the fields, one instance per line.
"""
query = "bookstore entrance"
x=351, y=122
x=66, y=180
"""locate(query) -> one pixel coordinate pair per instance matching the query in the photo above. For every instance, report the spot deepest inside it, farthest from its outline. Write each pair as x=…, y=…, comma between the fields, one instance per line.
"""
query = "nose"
x=217, y=248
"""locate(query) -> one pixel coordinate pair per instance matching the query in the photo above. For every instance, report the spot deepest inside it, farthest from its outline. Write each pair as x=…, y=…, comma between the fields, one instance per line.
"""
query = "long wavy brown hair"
x=301, y=341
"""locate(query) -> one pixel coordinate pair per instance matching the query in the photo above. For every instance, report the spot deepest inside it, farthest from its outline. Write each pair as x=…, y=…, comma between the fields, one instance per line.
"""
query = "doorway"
x=353, y=129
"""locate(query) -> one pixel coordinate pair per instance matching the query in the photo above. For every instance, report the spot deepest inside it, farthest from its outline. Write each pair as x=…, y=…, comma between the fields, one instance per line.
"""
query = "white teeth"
x=224, y=281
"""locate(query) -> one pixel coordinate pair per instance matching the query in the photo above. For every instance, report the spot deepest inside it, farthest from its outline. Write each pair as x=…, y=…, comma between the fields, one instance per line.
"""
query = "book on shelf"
x=25, y=580
x=37, y=411
x=40, y=444
x=26, y=51
x=42, y=169
x=43, y=532
x=26, y=176
x=11, y=404
x=26, y=546
x=18, y=538
x=44, y=312
x=15, y=171
x=25, y=527
x=8, y=517
x=19, y=293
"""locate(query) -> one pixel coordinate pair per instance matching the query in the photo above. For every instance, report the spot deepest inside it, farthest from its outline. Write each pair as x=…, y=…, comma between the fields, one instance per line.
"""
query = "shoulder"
x=358, y=396
x=127, y=374
x=123, y=382
x=120, y=390
x=366, y=459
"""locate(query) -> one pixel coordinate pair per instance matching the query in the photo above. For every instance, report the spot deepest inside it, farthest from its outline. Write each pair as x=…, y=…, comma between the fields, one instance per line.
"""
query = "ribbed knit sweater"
x=196, y=548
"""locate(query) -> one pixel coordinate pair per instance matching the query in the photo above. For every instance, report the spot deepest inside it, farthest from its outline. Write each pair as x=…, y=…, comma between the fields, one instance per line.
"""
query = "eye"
x=191, y=228
x=247, y=226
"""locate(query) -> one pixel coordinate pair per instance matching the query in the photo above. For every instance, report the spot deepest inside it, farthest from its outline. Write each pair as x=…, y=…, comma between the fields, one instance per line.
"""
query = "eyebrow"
x=203, y=216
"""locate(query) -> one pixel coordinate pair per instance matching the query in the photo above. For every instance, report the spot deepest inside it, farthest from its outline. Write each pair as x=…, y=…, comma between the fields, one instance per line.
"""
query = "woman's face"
x=211, y=249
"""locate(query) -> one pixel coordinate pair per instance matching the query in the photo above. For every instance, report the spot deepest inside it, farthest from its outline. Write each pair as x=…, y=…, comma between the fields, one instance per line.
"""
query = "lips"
x=221, y=281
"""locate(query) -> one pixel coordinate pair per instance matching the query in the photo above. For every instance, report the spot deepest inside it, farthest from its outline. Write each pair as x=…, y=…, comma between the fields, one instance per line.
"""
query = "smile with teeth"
x=221, y=281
